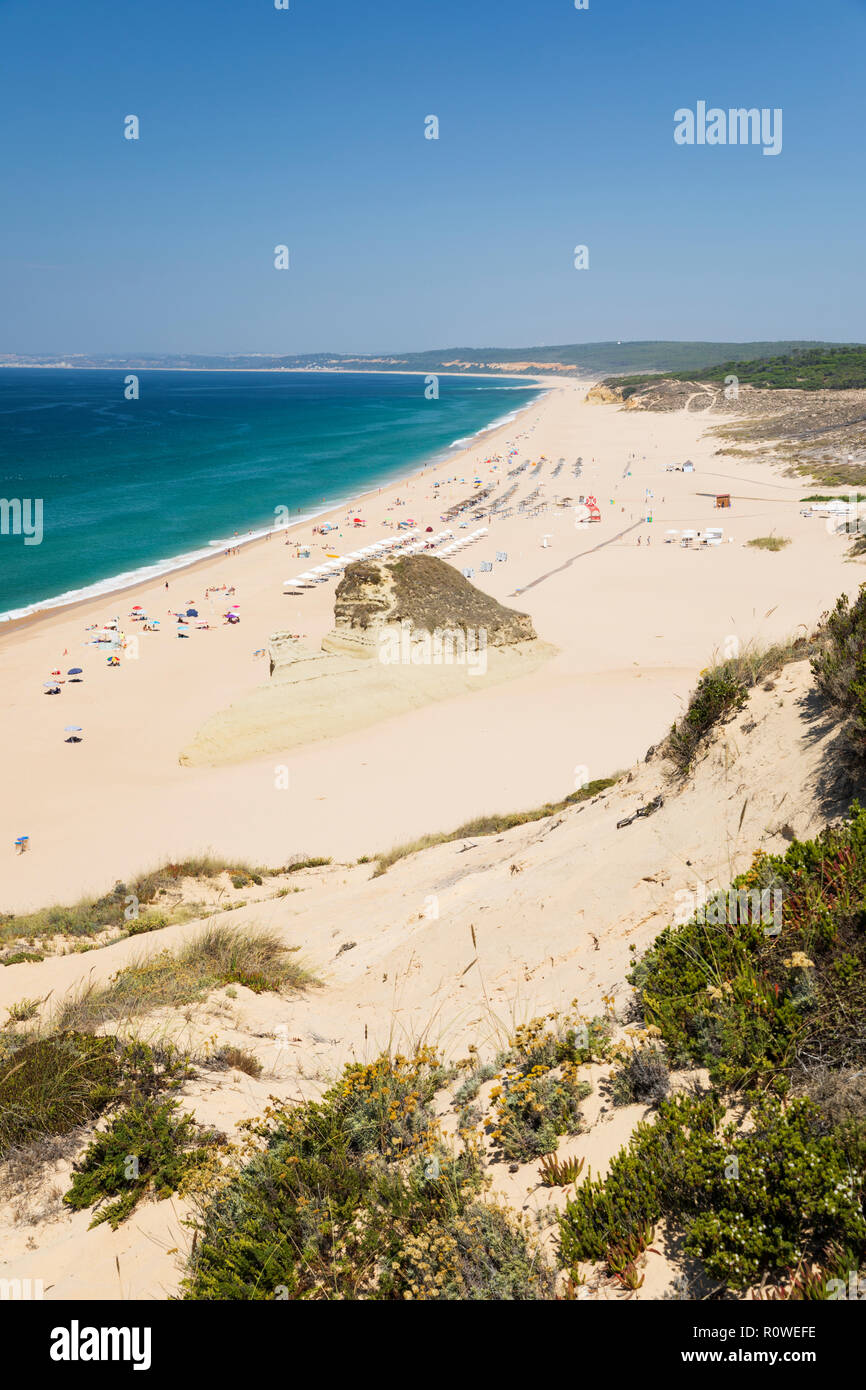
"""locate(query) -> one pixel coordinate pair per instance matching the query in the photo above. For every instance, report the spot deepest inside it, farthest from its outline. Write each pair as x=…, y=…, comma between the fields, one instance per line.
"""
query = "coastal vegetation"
x=357, y=1196
x=781, y=1200
x=120, y=909
x=649, y=355
x=491, y=824
x=839, y=667
x=256, y=958
x=762, y=999
x=721, y=691
x=148, y=1148
x=742, y=1046
x=361, y=1196
x=769, y=542
x=812, y=368
x=52, y=1084
x=150, y=901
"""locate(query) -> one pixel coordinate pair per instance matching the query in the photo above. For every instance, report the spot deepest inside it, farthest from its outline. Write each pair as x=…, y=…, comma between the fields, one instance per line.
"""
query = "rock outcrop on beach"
x=603, y=394
x=423, y=594
x=405, y=634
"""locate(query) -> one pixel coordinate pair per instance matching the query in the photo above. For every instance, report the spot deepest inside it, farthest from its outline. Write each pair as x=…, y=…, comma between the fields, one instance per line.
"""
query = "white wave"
x=127, y=579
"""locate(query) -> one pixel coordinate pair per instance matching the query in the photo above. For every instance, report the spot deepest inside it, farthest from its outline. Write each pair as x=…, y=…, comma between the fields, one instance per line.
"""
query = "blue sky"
x=306, y=127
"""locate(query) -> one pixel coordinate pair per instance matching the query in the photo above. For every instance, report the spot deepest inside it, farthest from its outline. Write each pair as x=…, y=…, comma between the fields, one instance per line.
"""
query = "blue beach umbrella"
x=192, y=612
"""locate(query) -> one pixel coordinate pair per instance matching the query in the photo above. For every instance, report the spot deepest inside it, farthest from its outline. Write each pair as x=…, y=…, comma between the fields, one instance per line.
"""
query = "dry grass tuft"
x=217, y=956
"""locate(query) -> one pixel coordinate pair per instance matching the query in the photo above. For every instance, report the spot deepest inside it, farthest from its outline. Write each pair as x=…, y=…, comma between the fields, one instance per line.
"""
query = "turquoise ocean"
x=133, y=488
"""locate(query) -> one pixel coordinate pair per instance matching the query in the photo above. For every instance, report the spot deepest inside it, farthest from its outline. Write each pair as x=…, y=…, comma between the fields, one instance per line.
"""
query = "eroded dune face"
x=457, y=944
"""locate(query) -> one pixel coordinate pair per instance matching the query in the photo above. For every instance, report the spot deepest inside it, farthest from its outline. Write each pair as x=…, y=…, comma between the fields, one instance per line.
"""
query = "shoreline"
x=51, y=607
x=633, y=624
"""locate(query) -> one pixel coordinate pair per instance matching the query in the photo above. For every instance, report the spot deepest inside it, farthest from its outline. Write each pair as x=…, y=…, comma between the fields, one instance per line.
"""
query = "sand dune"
x=524, y=921
x=632, y=625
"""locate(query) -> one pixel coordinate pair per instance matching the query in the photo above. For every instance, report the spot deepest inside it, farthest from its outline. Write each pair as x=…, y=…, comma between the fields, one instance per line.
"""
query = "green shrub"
x=540, y=1093
x=146, y=1147
x=50, y=1085
x=485, y=1071
x=754, y=1203
x=355, y=1197
x=752, y=1005
x=722, y=691
x=839, y=667
x=147, y=922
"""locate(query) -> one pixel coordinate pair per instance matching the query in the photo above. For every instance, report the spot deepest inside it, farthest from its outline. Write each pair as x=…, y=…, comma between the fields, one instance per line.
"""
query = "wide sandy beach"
x=633, y=624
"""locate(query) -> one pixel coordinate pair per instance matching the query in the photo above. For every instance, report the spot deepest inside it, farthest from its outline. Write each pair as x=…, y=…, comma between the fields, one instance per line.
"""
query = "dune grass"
x=90, y=916
x=52, y=1084
x=489, y=825
x=217, y=956
x=721, y=691
x=769, y=542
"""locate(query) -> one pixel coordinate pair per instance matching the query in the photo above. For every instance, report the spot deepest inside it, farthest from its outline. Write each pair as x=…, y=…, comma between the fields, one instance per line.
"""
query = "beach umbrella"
x=51, y=685
x=137, y=608
x=192, y=612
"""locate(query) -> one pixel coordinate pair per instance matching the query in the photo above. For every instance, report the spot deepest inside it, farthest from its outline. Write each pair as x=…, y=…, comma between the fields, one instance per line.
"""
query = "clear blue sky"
x=306, y=127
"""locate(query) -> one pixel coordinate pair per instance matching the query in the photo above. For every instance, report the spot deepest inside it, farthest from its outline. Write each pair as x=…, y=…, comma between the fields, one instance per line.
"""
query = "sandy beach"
x=632, y=624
